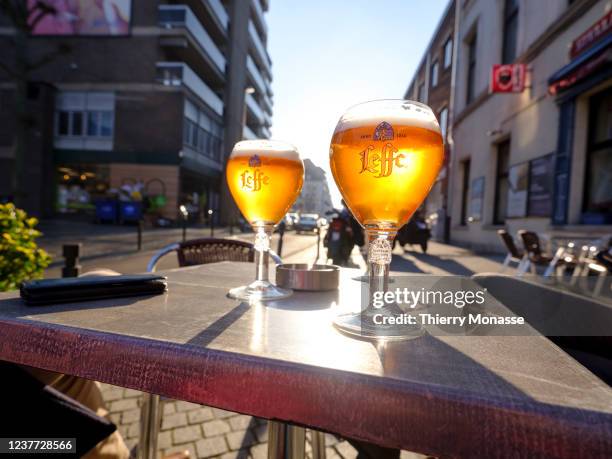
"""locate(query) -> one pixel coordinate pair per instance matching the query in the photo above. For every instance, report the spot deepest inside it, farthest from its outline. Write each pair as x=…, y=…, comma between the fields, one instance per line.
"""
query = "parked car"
x=291, y=219
x=307, y=223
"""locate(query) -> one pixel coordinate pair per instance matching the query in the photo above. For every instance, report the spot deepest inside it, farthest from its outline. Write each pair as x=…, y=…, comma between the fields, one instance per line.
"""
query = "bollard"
x=71, y=253
x=281, y=234
x=139, y=230
x=212, y=223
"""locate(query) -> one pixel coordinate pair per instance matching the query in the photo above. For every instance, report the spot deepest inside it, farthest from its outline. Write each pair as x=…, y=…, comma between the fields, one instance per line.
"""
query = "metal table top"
x=487, y=396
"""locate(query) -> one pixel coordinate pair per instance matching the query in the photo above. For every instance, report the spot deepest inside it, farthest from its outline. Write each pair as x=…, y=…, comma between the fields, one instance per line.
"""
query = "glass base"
x=259, y=291
x=373, y=324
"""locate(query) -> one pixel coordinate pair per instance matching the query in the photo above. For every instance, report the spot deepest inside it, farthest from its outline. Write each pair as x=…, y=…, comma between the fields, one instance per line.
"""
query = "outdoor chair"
x=534, y=254
x=209, y=250
x=515, y=255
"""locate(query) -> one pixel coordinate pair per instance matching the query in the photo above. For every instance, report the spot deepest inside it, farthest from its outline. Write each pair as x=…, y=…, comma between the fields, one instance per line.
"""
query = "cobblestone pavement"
x=206, y=432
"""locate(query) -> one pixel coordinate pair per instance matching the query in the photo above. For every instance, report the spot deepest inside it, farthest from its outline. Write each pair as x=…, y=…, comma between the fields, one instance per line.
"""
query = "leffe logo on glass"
x=381, y=164
x=255, y=179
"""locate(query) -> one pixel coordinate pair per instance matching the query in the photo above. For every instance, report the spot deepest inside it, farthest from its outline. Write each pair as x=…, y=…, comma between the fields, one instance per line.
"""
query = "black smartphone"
x=68, y=290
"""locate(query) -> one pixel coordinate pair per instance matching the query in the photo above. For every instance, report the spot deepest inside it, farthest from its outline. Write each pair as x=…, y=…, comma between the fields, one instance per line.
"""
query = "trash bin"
x=106, y=211
x=130, y=211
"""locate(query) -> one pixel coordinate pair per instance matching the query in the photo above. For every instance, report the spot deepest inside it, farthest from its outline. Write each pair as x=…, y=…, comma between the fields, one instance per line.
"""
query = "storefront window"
x=598, y=180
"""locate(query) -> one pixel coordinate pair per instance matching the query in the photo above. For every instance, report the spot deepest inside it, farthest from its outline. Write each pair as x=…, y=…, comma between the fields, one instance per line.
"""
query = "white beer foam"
x=394, y=112
x=273, y=148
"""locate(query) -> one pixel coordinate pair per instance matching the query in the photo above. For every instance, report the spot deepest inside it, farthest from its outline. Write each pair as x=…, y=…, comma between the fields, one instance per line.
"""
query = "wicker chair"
x=209, y=250
x=535, y=255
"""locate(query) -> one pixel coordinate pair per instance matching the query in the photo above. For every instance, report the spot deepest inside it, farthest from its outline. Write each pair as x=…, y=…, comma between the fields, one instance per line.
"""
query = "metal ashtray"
x=302, y=276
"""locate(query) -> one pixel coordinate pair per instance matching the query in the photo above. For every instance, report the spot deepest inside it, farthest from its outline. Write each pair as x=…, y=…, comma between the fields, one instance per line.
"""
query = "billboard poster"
x=81, y=17
x=518, y=179
x=476, y=199
x=541, y=186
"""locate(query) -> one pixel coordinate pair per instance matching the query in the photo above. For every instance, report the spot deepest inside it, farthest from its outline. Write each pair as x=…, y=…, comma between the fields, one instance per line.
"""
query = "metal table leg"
x=318, y=444
x=285, y=441
x=150, y=420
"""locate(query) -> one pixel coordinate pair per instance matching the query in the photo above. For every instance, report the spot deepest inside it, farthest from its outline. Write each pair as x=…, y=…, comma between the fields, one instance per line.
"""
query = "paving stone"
x=115, y=418
x=186, y=434
x=345, y=450
x=212, y=446
x=330, y=453
x=216, y=427
x=240, y=422
x=123, y=405
x=129, y=393
x=261, y=432
x=127, y=417
x=174, y=420
x=200, y=415
x=240, y=439
x=411, y=455
x=180, y=448
x=331, y=440
x=169, y=408
x=186, y=406
x=259, y=451
x=164, y=440
x=222, y=414
x=133, y=430
x=112, y=393
x=240, y=454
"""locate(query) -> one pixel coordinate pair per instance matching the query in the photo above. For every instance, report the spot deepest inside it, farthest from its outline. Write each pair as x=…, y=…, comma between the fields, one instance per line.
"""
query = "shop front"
x=582, y=194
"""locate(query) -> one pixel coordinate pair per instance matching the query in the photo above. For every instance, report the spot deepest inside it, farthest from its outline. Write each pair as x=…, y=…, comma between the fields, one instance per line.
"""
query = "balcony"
x=265, y=132
x=267, y=119
x=180, y=18
x=258, y=16
x=248, y=134
x=253, y=71
x=255, y=109
x=260, y=53
x=266, y=103
x=217, y=11
x=179, y=74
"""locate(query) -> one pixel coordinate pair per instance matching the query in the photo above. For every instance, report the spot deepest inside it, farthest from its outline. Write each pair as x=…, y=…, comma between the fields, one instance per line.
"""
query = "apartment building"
x=539, y=158
x=315, y=197
x=431, y=85
x=151, y=104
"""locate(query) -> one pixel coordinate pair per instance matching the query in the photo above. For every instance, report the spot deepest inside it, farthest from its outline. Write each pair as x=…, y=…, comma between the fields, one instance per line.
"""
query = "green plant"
x=20, y=257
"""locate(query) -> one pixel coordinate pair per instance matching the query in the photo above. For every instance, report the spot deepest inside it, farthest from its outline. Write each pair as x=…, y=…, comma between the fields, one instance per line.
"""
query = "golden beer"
x=385, y=168
x=264, y=180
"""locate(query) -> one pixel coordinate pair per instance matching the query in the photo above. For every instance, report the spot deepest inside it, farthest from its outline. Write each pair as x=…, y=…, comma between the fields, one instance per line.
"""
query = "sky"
x=328, y=55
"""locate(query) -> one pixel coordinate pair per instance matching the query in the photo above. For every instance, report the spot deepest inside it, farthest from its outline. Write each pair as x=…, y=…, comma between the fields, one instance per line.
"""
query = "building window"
x=202, y=133
x=71, y=123
x=465, y=189
x=598, y=179
x=511, y=9
x=434, y=74
x=421, y=93
x=471, y=70
x=443, y=117
x=501, y=183
x=448, y=53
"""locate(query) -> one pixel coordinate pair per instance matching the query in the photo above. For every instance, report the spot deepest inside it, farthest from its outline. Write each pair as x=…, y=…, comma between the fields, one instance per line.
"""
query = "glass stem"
x=379, y=258
x=263, y=235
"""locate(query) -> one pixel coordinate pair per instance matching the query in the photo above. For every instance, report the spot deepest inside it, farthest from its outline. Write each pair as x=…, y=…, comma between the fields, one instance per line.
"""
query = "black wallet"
x=68, y=290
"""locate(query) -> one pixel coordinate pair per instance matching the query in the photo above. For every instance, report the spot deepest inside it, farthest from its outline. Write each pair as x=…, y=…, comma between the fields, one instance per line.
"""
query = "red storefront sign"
x=508, y=78
x=592, y=35
x=585, y=70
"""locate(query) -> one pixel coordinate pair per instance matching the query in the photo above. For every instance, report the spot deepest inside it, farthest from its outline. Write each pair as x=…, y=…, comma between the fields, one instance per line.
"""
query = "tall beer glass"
x=265, y=177
x=385, y=156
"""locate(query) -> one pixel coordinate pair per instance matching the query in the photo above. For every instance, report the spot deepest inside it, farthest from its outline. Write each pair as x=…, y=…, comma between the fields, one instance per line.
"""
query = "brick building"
x=158, y=105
